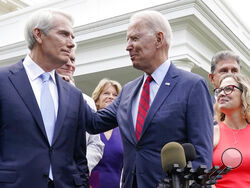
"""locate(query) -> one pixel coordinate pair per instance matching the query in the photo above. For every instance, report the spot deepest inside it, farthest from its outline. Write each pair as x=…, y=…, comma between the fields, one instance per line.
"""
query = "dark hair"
x=223, y=55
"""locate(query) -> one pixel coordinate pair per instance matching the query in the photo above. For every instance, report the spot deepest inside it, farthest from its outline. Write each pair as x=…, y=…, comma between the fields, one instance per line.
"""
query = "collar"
x=160, y=73
x=34, y=70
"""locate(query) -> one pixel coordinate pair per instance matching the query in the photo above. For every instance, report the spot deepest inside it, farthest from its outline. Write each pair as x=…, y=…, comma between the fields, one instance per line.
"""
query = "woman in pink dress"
x=232, y=134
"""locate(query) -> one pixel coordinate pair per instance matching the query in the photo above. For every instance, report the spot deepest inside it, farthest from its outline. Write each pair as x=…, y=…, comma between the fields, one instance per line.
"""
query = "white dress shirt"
x=34, y=71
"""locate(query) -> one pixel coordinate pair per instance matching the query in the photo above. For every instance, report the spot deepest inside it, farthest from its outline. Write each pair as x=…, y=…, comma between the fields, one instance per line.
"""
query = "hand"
x=69, y=79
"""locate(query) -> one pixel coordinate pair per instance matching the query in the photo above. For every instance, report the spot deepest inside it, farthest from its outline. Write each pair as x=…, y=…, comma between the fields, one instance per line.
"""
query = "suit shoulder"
x=71, y=87
x=189, y=76
x=6, y=70
x=68, y=86
x=133, y=82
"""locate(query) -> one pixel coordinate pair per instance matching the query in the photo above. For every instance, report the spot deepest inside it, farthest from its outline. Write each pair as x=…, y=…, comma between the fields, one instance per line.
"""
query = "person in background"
x=94, y=144
x=42, y=144
x=107, y=173
x=232, y=112
x=223, y=62
x=159, y=107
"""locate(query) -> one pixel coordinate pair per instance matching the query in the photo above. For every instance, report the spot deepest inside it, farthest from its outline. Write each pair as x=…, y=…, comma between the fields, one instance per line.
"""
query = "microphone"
x=231, y=158
x=190, y=155
x=198, y=177
x=190, y=152
x=173, y=161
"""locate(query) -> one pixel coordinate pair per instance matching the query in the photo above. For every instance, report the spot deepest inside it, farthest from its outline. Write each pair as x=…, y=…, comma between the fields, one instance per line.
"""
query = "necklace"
x=235, y=133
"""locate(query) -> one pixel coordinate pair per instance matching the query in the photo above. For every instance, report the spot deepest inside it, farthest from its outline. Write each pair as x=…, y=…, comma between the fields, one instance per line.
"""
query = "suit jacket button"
x=46, y=175
x=51, y=149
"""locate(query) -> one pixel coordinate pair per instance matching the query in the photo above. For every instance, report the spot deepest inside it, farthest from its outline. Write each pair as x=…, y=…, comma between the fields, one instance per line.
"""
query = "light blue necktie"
x=47, y=110
x=47, y=107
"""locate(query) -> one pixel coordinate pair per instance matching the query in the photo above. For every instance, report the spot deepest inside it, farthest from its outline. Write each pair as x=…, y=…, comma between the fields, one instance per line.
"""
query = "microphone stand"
x=201, y=176
x=205, y=178
x=174, y=179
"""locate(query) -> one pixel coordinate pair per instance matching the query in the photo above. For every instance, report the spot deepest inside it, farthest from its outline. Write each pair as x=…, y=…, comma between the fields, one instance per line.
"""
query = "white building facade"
x=200, y=29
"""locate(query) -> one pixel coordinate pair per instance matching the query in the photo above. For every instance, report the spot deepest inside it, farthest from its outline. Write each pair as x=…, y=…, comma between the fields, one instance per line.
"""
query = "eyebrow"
x=67, y=32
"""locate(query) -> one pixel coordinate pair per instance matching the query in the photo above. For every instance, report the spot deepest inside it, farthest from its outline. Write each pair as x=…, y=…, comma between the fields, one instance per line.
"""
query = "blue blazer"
x=181, y=112
x=25, y=153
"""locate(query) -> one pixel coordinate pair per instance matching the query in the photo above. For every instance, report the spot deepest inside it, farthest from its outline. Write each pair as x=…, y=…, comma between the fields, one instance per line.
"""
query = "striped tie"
x=143, y=107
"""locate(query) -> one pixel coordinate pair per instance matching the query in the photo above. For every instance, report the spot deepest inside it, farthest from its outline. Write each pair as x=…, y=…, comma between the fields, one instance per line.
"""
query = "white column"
x=184, y=64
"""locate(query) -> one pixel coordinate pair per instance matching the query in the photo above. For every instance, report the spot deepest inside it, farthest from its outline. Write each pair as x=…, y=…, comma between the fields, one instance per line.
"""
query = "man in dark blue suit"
x=180, y=106
x=42, y=138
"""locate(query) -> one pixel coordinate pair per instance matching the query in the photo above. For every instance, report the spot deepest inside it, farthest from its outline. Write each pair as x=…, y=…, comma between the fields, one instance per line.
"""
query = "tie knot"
x=45, y=76
x=149, y=78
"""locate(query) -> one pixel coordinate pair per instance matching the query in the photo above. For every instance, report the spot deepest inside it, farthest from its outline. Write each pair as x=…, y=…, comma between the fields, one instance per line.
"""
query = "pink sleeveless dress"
x=239, y=139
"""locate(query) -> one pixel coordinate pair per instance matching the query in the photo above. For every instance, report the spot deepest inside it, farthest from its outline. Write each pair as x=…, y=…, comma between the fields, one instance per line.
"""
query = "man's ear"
x=159, y=39
x=211, y=78
x=38, y=35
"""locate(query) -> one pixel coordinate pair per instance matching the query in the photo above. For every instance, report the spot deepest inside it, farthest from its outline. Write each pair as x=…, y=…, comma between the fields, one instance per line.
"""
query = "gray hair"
x=223, y=55
x=156, y=22
x=44, y=20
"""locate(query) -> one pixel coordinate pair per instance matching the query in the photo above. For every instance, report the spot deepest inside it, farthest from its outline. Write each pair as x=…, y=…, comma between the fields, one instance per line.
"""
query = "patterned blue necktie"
x=47, y=110
x=47, y=107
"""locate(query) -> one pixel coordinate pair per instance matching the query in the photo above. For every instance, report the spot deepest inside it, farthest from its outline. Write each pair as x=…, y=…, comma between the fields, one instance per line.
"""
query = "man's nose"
x=129, y=45
x=71, y=44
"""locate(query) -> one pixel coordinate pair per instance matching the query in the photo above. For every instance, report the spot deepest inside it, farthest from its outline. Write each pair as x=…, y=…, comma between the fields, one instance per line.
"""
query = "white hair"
x=155, y=21
x=44, y=20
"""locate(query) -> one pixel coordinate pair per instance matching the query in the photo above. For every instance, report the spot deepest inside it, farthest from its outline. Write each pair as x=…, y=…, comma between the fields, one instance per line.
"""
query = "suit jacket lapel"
x=20, y=81
x=134, y=91
x=63, y=100
x=165, y=89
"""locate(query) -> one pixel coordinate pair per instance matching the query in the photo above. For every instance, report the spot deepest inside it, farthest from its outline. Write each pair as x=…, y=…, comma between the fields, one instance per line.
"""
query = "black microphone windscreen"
x=172, y=153
x=190, y=152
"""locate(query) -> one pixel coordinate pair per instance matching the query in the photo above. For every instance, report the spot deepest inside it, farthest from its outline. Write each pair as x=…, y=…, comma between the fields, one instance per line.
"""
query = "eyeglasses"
x=227, y=90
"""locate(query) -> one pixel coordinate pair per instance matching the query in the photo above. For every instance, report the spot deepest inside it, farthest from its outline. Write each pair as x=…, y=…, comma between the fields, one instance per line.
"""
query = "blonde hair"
x=100, y=87
x=244, y=84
